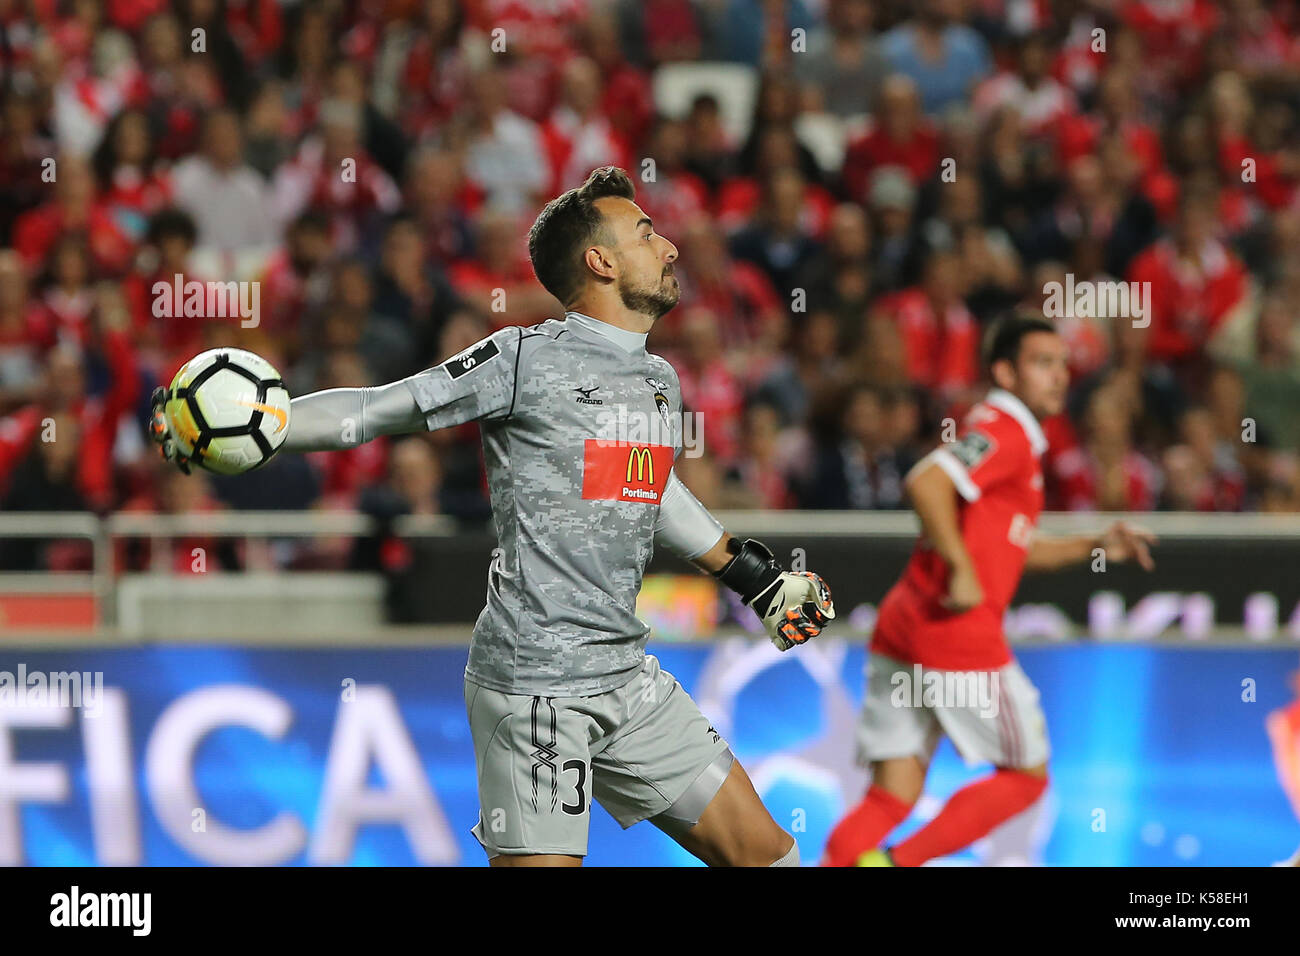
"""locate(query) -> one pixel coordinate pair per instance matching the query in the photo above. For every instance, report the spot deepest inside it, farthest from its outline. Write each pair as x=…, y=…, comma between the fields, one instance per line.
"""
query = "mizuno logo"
x=279, y=414
x=586, y=398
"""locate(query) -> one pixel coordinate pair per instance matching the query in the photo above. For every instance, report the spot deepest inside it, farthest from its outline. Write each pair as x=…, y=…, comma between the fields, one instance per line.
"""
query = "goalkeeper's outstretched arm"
x=339, y=418
x=792, y=606
x=477, y=384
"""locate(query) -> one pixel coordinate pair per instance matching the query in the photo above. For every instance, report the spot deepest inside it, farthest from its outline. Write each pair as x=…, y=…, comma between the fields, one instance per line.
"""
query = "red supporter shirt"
x=942, y=350
x=1188, y=303
x=995, y=466
x=919, y=155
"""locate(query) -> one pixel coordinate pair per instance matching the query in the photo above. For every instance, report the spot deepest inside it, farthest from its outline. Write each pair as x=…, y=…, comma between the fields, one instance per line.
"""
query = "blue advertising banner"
x=231, y=755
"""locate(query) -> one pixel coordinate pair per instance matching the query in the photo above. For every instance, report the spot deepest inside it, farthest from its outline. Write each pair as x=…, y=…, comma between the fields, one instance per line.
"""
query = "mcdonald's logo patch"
x=622, y=472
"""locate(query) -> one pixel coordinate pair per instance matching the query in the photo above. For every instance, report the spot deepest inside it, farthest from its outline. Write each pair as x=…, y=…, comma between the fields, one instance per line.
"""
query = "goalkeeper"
x=564, y=704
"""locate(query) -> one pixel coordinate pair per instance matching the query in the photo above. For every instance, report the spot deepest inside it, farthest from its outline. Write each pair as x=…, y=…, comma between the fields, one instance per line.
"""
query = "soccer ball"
x=228, y=410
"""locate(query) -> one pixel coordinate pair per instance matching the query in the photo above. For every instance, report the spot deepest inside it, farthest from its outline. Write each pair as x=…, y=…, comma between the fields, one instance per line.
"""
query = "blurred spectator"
x=892, y=197
x=800, y=375
x=1196, y=286
x=940, y=336
x=761, y=470
x=498, y=280
x=859, y=467
x=709, y=389
x=74, y=208
x=710, y=154
x=674, y=195
x=412, y=488
x=230, y=202
x=578, y=137
x=756, y=32
x=1203, y=473
x=296, y=277
x=84, y=426
x=131, y=187
x=840, y=278
x=24, y=152
x=1041, y=101
x=425, y=67
x=1105, y=472
x=988, y=257
x=842, y=69
x=943, y=57
x=24, y=337
x=1271, y=377
x=775, y=110
x=739, y=295
x=333, y=173
x=781, y=241
x=504, y=150
x=160, y=328
x=625, y=96
x=662, y=30
x=899, y=136
x=172, y=493
x=1088, y=210
x=436, y=198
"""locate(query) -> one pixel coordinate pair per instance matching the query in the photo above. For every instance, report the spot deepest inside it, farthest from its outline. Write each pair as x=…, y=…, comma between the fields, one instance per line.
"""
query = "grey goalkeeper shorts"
x=643, y=751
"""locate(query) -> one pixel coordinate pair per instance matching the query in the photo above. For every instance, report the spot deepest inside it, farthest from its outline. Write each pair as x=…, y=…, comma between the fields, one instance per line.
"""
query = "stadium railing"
x=267, y=602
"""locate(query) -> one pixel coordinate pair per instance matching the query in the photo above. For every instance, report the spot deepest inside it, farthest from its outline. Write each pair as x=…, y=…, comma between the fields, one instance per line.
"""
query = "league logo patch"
x=466, y=362
x=972, y=449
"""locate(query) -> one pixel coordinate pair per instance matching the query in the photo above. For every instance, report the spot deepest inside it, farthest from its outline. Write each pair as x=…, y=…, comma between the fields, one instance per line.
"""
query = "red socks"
x=970, y=813
x=865, y=826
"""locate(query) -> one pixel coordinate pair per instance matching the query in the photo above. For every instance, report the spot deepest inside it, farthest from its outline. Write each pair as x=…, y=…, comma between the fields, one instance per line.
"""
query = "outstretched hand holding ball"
x=226, y=411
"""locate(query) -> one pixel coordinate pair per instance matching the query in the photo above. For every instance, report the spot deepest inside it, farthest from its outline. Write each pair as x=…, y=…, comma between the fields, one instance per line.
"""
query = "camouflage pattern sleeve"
x=477, y=384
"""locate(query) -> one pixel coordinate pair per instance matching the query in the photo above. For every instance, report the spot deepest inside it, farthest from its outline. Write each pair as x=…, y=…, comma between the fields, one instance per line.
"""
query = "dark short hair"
x=172, y=223
x=311, y=220
x=567, y=225
x=1005, y=337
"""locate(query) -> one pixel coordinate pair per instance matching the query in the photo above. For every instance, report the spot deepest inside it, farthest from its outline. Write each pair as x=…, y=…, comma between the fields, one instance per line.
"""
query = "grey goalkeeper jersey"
x=580, y=429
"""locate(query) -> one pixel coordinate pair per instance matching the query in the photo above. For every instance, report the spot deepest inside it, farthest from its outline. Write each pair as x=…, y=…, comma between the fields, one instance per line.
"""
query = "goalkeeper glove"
x=793, y=605
x=161, y=432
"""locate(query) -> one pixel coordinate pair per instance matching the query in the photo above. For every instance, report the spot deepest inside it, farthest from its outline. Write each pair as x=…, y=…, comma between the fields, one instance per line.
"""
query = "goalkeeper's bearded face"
x=645, y=259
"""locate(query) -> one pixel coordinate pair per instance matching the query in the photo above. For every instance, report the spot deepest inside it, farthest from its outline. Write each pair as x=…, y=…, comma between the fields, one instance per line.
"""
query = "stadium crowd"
x=910, y=171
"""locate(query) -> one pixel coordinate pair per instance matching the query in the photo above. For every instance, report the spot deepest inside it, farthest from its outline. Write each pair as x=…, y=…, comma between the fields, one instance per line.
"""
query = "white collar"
x=1004, y=401
x=628, y=341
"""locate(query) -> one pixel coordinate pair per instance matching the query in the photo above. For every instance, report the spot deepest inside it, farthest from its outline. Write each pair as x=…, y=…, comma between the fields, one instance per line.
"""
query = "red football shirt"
x=995, y=466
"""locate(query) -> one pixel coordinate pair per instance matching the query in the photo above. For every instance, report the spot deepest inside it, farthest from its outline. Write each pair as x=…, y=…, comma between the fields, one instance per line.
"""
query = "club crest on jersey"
x=661, y=400
x=972, y=449
x=467, y=361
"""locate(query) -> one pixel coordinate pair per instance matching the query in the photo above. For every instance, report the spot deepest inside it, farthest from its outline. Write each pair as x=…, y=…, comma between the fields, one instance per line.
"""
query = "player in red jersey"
x=939, y=662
